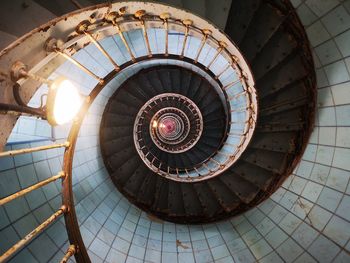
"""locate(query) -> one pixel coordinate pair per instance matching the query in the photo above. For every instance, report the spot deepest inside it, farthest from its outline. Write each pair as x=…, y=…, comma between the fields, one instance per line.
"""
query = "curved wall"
x=306, y=220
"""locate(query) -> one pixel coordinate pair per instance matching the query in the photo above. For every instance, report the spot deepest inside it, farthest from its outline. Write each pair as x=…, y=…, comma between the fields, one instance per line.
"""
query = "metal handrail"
x=33, y=149
x=31, y=188
x=20, y=244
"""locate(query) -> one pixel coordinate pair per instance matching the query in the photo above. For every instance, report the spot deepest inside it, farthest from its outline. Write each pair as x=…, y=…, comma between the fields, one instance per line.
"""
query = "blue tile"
x=43, y=248
x=17, y=208
x=276, y=237
x=344, y=208
x=329, y=199
x=22, y=159
x=25, y=225
x=9, y=183
x=58, y=233
x=338, y=230
x=114, y=255
x=99, y=248
x=8, y=238
x=323, y=249
x=220, y=252
x=244, y=256
x=289, y=250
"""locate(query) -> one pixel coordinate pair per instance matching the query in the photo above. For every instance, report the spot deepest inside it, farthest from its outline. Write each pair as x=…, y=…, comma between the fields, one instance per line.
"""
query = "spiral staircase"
x=207, y=126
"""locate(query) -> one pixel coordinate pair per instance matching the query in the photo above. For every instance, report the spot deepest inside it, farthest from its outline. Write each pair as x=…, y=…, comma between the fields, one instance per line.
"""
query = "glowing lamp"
x=63, y=102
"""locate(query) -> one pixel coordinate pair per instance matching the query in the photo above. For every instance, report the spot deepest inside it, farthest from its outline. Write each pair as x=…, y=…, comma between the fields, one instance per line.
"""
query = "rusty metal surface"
x=34, y=149
x=70, y=252
x=31, y=188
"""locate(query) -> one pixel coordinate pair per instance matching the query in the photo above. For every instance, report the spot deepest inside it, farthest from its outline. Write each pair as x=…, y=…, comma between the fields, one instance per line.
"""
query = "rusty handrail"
x=70, y=252
x=20, y=244
x=33, y=149
x=31, y=188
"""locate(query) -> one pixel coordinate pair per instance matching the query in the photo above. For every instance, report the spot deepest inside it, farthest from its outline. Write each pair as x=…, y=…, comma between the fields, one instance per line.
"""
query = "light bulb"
x=64, y=102
x=155, y=124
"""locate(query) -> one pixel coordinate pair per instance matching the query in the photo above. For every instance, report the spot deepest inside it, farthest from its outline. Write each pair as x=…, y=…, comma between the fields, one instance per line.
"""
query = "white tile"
x=341, y=158
x=329, y=199
x=326, y=117
x=343, y=115
x=342, y=42
x=344, y=208
x=324, y=97
x=318, y=217
x=324, y=154
x=317, y=33
x=260, y=249
x=323, y=249
x=341, y=93
x=305, y=235
x=337, y=72
x=338, y=179
x=327, y=135
x=312, y=191
x=305, y=14
x=343, y=138
x=289, y=250
x=328, y=52
x=338, y=230
x=337, y=21
x=321, y=8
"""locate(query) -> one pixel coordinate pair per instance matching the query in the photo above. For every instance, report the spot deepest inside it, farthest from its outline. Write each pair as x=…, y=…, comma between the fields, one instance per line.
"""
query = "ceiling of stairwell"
x=306, y=220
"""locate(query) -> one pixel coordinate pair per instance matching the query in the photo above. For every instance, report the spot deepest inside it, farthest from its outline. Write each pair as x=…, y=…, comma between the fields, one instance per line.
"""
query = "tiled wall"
x=306, y=220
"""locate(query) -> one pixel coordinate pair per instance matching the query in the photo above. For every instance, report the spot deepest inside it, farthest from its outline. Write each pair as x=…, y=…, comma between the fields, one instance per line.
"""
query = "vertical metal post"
x=187, y=23
x=206, y=34
x=83, y=28
x=89, y=72
x=222, y=45
x=139, y=15
x=103, y=51
x=165, y=17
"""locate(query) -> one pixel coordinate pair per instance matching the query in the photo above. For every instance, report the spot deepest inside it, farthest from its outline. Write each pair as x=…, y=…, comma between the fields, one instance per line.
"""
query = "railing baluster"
x=70, y=252
x=237, y=95
x=121, y=35
x=51, y=45
x=195, y=168
x=234, y=61
x=86, y=70
x=31, y=188
x=32, y=234
x=103, y=51
x=165, y=17
x=83, y=28
x=222, y=46
x=223, y=71
x=231, y=84
x=206, y=34
x=207, y=167
x=240, y=109
x=139, y=15
x=112, y=17
x=34, y=149
x=187, y=23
